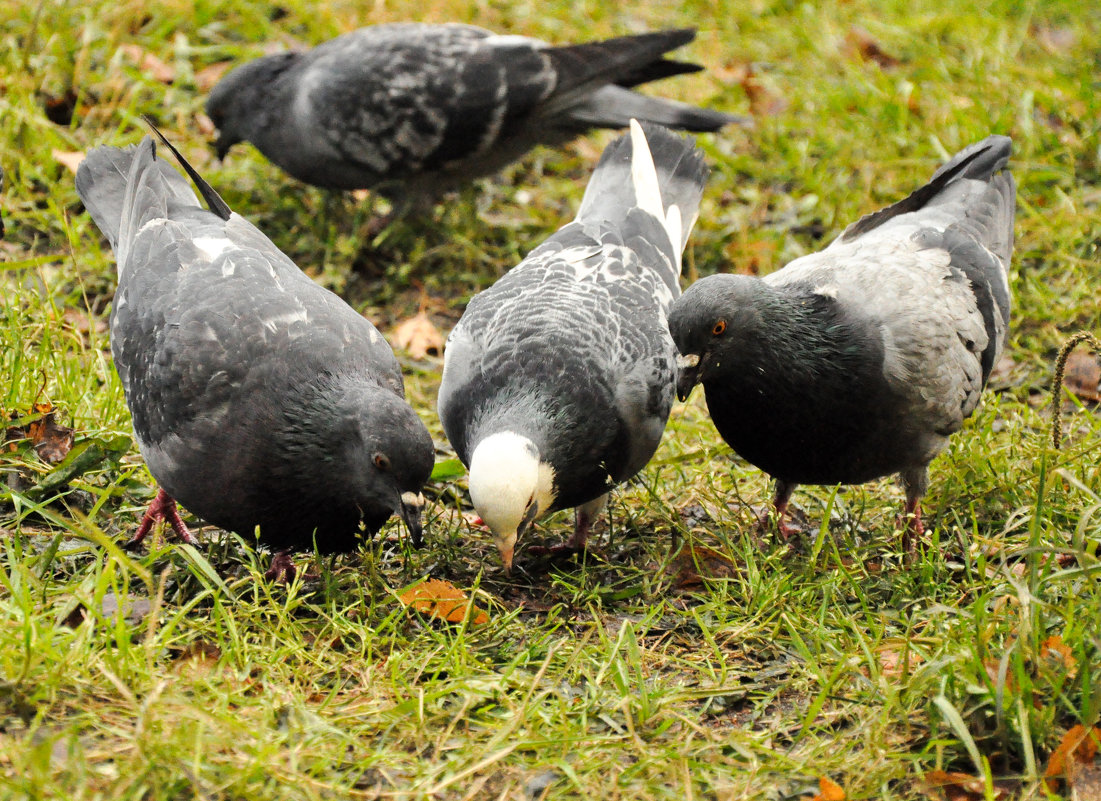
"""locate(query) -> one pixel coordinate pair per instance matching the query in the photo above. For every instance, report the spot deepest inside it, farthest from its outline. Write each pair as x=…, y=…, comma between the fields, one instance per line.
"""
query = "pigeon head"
x=510, y=487
x=378, y=452
x=239, y=104
x=709, y=321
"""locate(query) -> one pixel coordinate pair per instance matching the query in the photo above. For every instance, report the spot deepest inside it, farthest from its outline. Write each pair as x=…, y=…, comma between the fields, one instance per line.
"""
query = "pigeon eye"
x=382, y=462
x=719, y=327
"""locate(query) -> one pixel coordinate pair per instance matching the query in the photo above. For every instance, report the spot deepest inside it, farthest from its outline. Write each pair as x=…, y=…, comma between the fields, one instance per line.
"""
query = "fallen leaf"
x=205, y=125
x=197, y=659
x=1054, y=646
x=1077, y=747
x=208, y=76
x=69, y=159
x=763, y=100
x=51, y=441
x=828, y=790
x=1083, y=376
x=863, y=44
x=695, y=563
x=895, y=662
x=1054, y=40
x=443, y=600
x=419, y=336
x=149, y=63
x=959, y=787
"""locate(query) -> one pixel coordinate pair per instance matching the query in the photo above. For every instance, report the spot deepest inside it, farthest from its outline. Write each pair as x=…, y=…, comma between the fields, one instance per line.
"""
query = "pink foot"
x=163, y=508
x=576, y=542
x=913, y=528
x=282, y=569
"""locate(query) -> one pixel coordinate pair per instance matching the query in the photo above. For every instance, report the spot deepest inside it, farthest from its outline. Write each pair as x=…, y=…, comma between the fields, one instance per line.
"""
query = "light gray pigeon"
x=258, y=398
x=860, y=360
x=558, y=379
x=412, y=109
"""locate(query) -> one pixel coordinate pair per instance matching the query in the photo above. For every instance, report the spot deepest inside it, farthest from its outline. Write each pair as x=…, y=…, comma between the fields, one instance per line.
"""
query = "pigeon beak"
x=688, y=374
x=411, y=505
x=221, y=147
x=506, y=544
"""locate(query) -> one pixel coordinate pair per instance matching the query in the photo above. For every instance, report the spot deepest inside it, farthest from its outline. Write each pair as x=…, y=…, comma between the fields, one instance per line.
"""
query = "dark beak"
x=688, y=374
x=221, y=147
x=411, y=505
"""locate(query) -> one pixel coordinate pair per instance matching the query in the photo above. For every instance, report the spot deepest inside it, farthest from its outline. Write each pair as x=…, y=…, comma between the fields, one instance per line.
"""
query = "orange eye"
x=719, y=327
x=381, y=461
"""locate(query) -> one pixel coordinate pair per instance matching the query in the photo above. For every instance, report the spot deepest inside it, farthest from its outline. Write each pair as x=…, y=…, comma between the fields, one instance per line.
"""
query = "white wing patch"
x=212, y=246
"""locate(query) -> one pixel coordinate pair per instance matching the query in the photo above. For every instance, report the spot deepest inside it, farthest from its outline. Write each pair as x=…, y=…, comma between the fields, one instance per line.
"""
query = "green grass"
x=178, y=673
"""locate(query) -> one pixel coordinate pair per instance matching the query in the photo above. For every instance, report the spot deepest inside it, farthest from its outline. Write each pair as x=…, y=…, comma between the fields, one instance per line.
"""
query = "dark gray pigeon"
x=258, y=398
x=860, y=360
x=558, y=379
x=413, y=109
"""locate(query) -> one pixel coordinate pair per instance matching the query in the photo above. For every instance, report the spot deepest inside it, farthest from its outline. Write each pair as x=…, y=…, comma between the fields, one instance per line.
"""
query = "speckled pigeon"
x=862, y=359
x=558, y=379
x=258, y=398
x=412, y=109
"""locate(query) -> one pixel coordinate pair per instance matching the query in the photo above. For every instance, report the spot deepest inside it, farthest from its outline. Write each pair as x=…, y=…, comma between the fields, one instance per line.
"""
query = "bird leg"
x=779, y=510
x=914, y=482
x=282, y=569
x=163, y=508
x=583, y=523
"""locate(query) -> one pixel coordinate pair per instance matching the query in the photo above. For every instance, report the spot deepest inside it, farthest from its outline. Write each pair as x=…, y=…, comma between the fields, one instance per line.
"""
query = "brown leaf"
x=443, y=600
x=1054, y=646
x=197, y=659
x=959, y=787
x=205, y=125
x=895, y=662
x=763, y=101
x=1077, y=747
x=1083, y=376
x=208, y=76
x=69, y=159
x=861, y=43
x=698, y=562
x=1054, y=40
x=419, y=336
x=149, y=63
x=828, y=790
x=50, y=440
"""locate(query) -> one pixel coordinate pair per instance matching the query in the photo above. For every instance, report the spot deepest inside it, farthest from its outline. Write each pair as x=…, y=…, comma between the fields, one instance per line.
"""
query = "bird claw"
x=163, y=508
x=282, y=570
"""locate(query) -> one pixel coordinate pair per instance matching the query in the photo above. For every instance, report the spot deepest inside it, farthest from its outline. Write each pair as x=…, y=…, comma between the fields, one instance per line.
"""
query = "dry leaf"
x=1083, y=376
x=897, y=662
x=205, y=125
x=69, y=159
x=1077, y=747
x=50, y=440
x=149, y=63
x=696, y=563
x=763, y=101
x=208, y=76
x=197, y=659
x=863, y=44
x=419, y=336
x=1054, y=646
x=1054, y=40
x=829, y=790
x=959, y=787
x=443, y=600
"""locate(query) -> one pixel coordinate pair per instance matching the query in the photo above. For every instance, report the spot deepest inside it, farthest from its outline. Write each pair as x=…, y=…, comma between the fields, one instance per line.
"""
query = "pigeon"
x=412, y=109
x=558, y=379
x=258, y=398
x=860, y=361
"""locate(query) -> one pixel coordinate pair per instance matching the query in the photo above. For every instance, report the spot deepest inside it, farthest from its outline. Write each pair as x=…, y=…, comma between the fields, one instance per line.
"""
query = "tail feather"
x=652, y=169
x=981, y=162
x=614, y=107
x=593, y=81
